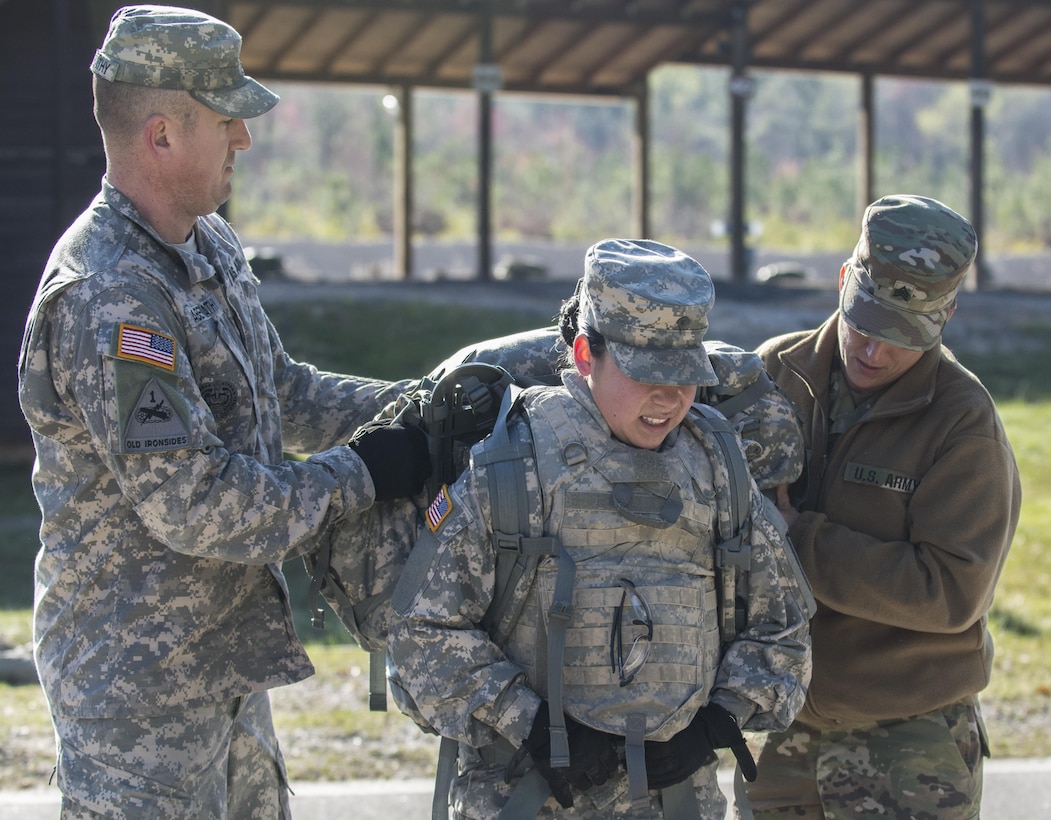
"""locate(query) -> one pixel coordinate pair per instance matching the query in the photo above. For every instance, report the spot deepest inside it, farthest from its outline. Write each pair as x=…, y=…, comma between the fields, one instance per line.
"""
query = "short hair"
x=122, y=109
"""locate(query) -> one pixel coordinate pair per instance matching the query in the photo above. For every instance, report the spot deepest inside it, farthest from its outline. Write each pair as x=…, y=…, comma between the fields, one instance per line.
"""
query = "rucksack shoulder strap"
x=518, y=544
x=731, y=553
x=713, y=422
x=518, y=548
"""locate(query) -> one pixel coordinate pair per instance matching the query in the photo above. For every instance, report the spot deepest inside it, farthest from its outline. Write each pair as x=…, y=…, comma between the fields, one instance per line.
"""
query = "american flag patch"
x=141, y=345
x=439, y=509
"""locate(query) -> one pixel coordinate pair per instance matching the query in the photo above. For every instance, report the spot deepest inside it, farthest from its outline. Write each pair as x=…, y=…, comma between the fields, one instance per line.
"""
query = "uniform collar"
x=197, y=267
x=814, y=356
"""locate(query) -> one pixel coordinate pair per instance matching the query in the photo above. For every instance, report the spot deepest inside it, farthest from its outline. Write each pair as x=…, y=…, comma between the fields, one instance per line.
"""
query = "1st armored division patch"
x=152, y=414
x=153, y=423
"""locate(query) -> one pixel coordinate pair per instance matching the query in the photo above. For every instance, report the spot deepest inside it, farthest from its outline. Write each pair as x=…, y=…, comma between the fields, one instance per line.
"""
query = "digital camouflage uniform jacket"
x=904, y=529
x=472, y=690
x=161, y=402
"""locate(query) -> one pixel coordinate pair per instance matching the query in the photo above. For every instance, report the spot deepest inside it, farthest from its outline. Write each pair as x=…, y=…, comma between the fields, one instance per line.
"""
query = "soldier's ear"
x=155, y=135
x=582, y=355
x=842, y=274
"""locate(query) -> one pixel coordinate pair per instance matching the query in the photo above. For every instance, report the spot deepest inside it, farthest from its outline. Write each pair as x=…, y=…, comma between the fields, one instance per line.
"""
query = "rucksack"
x=520, y=545
x=357, y=566
x=457, y=407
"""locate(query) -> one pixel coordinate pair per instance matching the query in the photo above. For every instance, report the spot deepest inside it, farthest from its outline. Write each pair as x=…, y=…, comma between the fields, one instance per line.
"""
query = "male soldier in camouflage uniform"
x=902, y=520
x=646, y=689
x=161, y=402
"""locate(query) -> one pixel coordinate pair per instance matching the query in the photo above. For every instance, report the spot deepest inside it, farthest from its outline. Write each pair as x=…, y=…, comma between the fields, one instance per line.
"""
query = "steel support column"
x=866, y=146
x=641, y=162
x=740, y=91
x=485, y=149
x=980, y=90
x=403, y=187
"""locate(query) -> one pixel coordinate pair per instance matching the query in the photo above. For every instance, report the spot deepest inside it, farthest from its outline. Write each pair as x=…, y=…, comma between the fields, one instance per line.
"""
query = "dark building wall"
x=51, y=159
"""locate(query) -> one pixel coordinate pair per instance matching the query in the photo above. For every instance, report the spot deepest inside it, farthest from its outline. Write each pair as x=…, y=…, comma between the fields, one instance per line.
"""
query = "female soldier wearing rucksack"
x=604, y=690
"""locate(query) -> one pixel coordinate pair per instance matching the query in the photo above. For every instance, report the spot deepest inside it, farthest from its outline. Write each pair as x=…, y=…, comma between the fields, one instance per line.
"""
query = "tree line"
x=321, y=165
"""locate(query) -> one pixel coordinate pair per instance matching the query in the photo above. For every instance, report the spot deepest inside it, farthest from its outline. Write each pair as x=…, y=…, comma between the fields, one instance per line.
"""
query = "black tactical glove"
x=592, y=756
x=396, y=457
x=676, y=759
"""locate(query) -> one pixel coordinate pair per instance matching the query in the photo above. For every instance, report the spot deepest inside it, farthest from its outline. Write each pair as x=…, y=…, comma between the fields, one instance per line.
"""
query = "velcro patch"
x=880, y=477
x=154, y=423
x=439, y=509
x=138, y=344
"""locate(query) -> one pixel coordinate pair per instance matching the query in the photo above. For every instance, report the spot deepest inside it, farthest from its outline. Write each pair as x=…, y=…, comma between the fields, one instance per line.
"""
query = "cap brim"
x=248, y=99
x=875, y=318
x=674, y=366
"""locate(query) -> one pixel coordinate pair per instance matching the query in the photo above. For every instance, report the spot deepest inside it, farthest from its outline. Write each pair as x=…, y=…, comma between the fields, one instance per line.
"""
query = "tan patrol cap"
x=650, y=302
x=900, y=285
x=178, y=48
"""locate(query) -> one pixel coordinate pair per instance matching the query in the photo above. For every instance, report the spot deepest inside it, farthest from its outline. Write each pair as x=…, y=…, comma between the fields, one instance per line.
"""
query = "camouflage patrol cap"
x=900, y=285
x=177, y=48
x=651, y=304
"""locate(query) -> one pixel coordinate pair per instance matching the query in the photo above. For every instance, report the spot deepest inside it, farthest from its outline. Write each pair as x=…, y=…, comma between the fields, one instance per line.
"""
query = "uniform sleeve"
x=321, y=410
x=461, y=682
x=189, y=489
x=764, y=674
x=940, y=578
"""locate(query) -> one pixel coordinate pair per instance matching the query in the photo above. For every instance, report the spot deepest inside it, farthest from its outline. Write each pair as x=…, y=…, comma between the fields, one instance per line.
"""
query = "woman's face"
x=638, y=414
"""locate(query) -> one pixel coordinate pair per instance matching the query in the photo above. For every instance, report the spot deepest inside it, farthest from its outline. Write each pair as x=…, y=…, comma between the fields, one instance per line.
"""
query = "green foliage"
x=1022, y=204
x=1020, y=620
x=445, y=168
x=322, y=162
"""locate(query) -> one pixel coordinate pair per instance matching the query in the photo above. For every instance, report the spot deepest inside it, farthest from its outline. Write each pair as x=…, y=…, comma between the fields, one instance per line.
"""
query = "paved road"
x=1014, y=790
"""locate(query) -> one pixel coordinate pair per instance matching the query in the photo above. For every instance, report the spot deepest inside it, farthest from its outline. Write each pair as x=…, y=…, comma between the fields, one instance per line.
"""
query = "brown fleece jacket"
x=904, y=529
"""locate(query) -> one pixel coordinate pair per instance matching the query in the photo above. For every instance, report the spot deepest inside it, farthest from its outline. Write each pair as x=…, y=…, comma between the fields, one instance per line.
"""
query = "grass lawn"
x=325, y=723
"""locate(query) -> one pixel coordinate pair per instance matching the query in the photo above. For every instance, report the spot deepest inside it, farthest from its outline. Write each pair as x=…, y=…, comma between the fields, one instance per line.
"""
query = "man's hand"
x=396, y=457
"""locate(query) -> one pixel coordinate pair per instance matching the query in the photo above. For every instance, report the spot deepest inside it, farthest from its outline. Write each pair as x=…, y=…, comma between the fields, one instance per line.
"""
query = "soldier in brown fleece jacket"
x=902, y=520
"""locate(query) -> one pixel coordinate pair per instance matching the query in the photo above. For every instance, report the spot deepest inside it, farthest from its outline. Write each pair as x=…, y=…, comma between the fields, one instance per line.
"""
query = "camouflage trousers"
x=927, y=767
x=480, y=792
x=214, y=762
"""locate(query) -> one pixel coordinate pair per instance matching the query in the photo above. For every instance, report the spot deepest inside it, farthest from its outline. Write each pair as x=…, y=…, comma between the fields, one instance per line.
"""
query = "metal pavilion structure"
x=609, y=47
x=51, y=155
